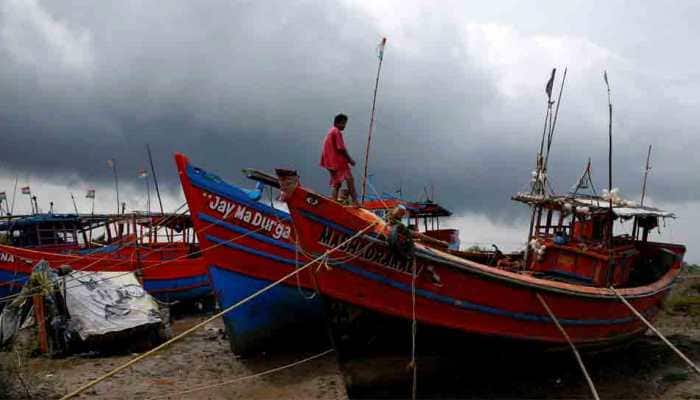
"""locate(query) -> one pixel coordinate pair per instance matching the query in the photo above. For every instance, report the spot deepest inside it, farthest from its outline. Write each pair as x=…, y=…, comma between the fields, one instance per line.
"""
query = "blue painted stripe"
x=571, y=275
x=214, y=184
x=175, y=284
x=426, y=293
x=473, y=306
x=326, y=222
x=240, y=230
x=183, y=295
x=11, y=283
x=259, y=253
x=369, y=235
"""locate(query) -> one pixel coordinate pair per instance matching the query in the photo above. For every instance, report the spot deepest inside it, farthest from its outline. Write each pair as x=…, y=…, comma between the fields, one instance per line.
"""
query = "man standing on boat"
x=336, y=159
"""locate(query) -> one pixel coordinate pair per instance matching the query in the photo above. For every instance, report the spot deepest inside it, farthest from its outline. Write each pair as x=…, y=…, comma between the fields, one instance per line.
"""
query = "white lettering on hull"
x=255, y=218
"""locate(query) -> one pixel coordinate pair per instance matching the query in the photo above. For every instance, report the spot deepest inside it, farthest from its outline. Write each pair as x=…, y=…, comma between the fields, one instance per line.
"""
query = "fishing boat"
x=248, y=244
x=171, y=269
x=572, y=262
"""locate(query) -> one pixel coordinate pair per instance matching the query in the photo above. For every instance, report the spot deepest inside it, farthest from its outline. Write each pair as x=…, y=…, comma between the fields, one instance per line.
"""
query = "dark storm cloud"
x=240, y=84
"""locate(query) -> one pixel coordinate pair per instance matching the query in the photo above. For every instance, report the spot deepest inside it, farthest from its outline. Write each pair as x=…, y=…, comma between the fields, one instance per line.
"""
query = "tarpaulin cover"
x=105, y=302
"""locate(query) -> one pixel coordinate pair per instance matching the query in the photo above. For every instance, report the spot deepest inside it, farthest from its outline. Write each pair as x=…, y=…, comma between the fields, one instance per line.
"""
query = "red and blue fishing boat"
x=572, y=261
x=247, y=244
x=171, y=270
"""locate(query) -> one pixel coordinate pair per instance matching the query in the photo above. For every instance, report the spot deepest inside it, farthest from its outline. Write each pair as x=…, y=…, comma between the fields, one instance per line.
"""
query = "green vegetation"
x=685, y=297
x=691, y=268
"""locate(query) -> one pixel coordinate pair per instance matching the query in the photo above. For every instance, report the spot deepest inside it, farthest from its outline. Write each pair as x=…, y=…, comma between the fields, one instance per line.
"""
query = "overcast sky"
x=236, y=84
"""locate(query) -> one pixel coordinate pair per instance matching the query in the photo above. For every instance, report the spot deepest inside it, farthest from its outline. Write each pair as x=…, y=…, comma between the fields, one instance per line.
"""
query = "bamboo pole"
x=594, y=392
x=371, y=118
x=656, y=331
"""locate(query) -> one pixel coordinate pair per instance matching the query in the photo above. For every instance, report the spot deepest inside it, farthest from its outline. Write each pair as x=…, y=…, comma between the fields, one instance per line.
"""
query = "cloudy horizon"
x=236, y=84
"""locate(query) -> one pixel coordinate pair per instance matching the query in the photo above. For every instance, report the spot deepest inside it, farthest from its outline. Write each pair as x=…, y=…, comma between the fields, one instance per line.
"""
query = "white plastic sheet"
x=105, y=302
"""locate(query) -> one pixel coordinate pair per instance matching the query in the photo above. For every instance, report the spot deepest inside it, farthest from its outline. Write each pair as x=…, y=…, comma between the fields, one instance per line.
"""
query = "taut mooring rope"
x=212, y=318
x=656, y=331
x=594, y=392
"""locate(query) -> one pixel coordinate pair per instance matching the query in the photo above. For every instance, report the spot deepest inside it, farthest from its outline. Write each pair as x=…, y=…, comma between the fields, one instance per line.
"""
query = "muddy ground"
x=646, y=369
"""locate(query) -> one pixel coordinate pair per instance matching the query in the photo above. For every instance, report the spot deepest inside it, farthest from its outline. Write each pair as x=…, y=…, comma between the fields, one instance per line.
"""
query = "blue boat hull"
x=284, y=316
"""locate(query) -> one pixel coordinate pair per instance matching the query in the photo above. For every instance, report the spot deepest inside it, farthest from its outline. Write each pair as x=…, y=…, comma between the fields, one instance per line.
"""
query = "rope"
x=212, y=318
x=594, y=392
x=243, y=378
x=656, y=331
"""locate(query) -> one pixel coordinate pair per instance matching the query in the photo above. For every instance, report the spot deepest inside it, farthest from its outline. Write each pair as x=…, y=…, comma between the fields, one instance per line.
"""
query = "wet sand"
x=645, y=369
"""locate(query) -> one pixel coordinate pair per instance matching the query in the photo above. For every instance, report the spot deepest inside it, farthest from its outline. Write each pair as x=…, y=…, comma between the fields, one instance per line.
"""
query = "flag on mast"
x=143, y=173
x=550, y=84
x=380, y=49
x=26, y=190
x=110, y=163
x=90, y=194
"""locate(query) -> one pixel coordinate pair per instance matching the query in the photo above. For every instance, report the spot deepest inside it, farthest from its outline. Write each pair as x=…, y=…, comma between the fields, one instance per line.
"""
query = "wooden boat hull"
x=458, y=294
x=168, y=280
x=248, y=245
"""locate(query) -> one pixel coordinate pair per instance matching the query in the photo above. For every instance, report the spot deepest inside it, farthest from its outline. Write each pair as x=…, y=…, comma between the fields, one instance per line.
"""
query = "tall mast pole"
x=155, y=179
x=610, y=152
x=75, y=206
x=556, y=114
x=646, y=173
x=14, y=193
x=112, y=162
x=371, y=118
x=611, y=261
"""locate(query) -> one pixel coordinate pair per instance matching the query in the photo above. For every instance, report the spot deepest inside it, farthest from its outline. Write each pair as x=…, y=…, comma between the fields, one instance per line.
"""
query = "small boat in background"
x=161, y=249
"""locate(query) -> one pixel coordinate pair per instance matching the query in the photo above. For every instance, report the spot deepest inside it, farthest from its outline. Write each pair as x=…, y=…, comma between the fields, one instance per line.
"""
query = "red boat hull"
x=165, y=274
x=458, y=294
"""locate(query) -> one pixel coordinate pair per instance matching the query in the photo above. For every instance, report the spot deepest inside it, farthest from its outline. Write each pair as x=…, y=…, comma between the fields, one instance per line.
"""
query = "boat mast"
x=611, y=262
x=371, y=118
x=539, y=181
x=537, y=184
x=112, y=163
x=14, y=193
x=647, y=168
x=155, y=179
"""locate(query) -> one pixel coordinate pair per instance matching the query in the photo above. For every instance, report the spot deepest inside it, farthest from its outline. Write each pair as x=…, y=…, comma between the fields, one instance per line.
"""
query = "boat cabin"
x=574, y=238
x=48, y=231
x=86, y=234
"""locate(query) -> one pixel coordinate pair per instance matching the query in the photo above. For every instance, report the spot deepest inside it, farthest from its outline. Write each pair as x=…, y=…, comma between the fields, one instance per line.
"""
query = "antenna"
x=647, y=168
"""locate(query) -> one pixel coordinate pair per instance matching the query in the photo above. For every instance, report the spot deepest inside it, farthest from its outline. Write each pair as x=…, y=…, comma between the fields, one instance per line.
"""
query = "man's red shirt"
x=332, y=157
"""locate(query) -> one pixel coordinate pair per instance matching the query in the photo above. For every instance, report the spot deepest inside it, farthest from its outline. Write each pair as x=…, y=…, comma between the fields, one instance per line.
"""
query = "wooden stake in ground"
x=568, y=339
x=650, y=326
x=40, y=317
